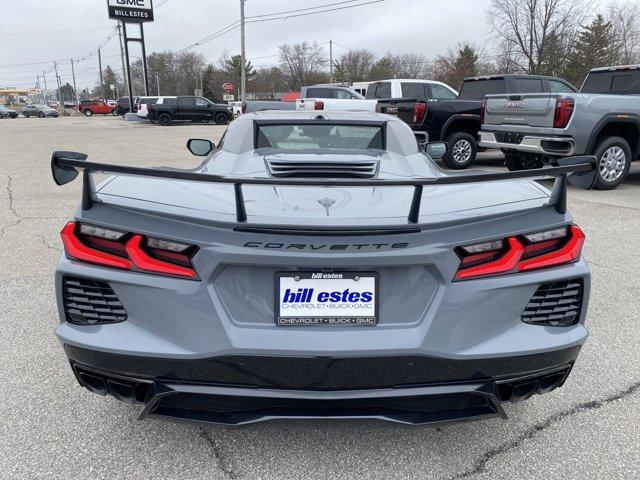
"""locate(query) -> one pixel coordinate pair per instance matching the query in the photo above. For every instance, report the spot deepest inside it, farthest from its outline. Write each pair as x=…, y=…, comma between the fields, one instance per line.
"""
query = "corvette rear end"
x=321, y=267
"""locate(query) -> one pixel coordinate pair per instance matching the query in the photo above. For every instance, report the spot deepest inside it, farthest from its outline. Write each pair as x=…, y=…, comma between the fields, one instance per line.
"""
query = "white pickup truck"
x=333, y=98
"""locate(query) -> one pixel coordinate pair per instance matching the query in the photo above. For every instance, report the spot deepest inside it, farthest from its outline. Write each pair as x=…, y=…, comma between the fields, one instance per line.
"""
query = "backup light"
x=167, y=245
x=483, y=247
x=548, y=235
x=101, y=232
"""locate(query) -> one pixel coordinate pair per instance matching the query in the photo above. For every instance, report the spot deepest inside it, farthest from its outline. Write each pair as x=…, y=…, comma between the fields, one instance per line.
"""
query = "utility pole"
x=60, y=101
x=44, y=94
x=243, y=78
x=73, y=73
x=124, y=70
x=100, y=67
x=330, y=61
x=158, y=82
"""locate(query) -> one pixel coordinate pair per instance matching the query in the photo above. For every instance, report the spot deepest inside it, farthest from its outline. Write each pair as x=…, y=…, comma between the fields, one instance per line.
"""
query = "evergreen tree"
x=596, y=46
x=233, y=67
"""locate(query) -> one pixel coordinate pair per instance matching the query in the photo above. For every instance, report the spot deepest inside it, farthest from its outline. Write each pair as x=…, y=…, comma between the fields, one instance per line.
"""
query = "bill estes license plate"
x=321, y=298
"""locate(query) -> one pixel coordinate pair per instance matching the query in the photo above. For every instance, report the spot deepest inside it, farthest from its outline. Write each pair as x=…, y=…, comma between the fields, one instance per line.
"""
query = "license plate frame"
x=343, y=276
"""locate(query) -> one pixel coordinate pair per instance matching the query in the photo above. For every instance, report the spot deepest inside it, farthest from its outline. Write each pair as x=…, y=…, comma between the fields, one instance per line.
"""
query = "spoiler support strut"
x=65, y=165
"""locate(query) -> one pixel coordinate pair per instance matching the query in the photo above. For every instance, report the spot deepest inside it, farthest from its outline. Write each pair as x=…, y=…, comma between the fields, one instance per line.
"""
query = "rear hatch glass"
x=379, y=90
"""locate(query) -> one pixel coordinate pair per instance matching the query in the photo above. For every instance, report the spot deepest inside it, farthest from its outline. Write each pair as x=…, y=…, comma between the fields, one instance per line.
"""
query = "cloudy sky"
x=33, y=33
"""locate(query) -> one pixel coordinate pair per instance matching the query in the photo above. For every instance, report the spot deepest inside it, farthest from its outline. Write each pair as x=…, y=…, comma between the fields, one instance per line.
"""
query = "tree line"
x=548, y=37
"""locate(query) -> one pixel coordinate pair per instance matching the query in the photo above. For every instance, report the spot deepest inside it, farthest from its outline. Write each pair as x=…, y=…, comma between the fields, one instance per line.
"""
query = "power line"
x=222, y=31
x=302, y=9
x=286, y=17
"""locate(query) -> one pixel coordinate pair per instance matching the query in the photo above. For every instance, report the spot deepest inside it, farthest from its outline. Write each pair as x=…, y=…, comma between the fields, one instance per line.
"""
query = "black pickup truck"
x=458, y=121
x=196, y=109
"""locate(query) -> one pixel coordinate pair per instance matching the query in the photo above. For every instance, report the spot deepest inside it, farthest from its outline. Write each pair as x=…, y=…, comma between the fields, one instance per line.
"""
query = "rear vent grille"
x=286, y=168
x=90, y=302
x=556, y=304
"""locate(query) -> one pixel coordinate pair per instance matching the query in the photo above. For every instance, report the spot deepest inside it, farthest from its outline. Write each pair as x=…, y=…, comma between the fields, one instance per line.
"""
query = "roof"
x=306, y=115
x=615, y=67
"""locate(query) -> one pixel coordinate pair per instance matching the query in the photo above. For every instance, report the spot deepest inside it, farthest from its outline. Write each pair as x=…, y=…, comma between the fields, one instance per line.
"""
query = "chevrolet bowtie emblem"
x=326, y=203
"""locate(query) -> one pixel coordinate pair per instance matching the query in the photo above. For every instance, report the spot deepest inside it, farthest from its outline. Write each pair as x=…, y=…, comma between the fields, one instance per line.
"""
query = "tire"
x=165, y=119
x=114, y=112
x=461, y=150
x=41, y=115
x=221, y=118
x=25, y=114
x=88, y=112
x=613, y=160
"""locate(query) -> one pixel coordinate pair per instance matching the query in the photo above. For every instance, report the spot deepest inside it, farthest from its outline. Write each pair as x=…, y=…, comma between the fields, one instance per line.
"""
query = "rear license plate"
x=318, y=298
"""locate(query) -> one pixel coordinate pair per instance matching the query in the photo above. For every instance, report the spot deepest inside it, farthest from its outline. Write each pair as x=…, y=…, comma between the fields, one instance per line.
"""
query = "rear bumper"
x=542, y=145
x=244, y=389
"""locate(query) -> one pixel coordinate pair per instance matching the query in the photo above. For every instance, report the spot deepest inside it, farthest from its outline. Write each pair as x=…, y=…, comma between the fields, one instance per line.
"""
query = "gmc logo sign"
x=131, y=10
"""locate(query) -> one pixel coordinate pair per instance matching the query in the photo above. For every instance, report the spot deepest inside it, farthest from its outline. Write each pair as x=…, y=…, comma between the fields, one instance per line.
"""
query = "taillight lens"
x=113, y=248
x=564, y=110
x=318, y=105
x=519, y=254
x=419, y=111
x=483, y=106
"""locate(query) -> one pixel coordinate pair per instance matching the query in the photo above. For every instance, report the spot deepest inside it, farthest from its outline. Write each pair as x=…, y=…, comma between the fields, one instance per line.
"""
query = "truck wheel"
x=461, y=150
x=613, y=160
x=88, y=113
x=221, y=118
x=164, y=119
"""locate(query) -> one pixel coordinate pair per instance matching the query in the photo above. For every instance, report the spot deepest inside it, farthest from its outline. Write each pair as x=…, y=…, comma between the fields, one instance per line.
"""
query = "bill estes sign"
x=131, y=10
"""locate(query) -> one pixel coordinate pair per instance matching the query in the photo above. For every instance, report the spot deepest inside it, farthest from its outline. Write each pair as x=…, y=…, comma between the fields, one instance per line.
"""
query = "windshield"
x=313, y=137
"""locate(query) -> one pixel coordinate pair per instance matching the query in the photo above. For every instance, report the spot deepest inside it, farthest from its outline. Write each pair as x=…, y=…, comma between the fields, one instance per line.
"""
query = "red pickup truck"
x=89, y=107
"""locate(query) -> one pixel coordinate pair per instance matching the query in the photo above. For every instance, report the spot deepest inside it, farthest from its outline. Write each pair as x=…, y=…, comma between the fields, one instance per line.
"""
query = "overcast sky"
x=36, y=32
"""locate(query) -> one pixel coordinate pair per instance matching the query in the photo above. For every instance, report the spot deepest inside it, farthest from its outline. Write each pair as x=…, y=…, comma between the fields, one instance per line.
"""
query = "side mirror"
x=64, y=175
x=436, y=150
x=585, y=180
x=200, y=147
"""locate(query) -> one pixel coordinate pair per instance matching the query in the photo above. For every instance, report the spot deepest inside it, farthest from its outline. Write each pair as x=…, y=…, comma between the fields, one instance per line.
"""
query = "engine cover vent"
x=323, y=168
x=555, y=304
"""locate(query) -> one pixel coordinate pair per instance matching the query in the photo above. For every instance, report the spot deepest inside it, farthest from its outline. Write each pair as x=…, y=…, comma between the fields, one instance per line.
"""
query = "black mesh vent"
x=556, y=304
x=323, y=168
x=89, y=302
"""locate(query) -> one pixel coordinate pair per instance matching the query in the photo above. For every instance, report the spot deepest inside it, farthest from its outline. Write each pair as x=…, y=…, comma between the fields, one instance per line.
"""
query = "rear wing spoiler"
x=579, y=171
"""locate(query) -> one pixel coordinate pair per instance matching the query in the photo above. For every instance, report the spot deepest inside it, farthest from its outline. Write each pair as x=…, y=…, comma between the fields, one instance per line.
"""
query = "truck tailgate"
x=530, y=109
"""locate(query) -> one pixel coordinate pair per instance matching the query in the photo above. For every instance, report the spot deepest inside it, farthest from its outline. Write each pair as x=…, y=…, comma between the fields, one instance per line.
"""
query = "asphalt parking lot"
x=52, y=428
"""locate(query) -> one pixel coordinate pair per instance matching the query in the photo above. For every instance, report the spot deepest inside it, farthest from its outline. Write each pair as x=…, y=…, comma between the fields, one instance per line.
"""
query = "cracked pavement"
x=51, y=428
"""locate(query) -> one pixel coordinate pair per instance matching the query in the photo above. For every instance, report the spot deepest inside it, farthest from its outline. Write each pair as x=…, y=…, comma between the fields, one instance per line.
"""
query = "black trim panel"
x=320, y=373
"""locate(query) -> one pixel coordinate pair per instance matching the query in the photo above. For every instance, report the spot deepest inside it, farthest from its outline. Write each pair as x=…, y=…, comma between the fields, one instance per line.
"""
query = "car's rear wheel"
x=88, y=113
x=221, y=118
x=461, y=150
x=165, y=119
x=613, y=159
x=41, y=114
x=114, y=112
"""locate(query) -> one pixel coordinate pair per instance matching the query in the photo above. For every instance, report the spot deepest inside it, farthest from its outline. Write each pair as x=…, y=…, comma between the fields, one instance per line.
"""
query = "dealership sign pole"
x=133, y=11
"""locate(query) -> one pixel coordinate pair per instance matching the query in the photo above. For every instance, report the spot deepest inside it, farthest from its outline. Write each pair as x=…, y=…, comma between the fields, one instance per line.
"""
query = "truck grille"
x=89, y=302
x=286, y=168
x=556, y=304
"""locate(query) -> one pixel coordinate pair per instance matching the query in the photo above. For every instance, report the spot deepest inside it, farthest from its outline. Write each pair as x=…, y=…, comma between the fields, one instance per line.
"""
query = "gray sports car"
x=321, y=266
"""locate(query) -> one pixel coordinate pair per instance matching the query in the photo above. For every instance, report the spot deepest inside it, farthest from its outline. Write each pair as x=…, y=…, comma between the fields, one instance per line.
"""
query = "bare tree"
x=268, y=82
x=409, y=65
x=624, y=15
x=466, y=60
x=536, y=29
x=303, y=64
x=354, y=66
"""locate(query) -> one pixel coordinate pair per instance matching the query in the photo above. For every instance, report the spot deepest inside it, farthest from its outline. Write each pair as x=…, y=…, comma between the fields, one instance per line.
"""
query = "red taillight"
x=144, y=261
x=97, y=245
x=529, y=252
x=483, y=106
x=564, y=110
x=569, y=252
x=79, y=251
x=419, y=111
x=318, y=105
